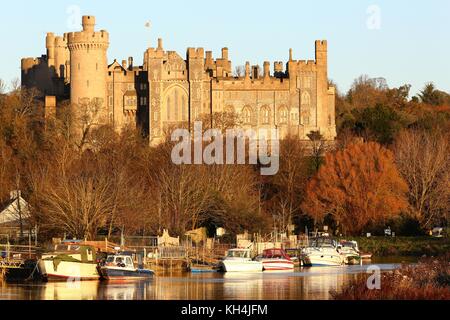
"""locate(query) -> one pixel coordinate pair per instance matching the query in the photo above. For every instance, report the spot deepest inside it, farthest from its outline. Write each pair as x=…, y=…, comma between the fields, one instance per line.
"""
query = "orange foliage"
x=359, y=185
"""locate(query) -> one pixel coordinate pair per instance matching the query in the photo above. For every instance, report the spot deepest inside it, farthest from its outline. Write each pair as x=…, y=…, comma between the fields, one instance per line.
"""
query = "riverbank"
x=427, y=280
x=403, y=246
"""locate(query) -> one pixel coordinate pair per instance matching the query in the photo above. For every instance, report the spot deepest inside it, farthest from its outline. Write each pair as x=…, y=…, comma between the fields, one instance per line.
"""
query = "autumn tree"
x=423, y=160
x=357, y=186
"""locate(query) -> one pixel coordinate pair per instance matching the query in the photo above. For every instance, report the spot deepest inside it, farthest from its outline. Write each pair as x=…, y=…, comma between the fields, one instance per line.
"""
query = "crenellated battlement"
x=88, y=38
x=77, y=62
x=195, y=53
x=321, y=45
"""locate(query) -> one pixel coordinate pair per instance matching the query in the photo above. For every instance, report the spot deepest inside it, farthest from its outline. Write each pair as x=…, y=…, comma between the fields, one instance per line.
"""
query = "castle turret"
x=88, y=68
x=322, y=85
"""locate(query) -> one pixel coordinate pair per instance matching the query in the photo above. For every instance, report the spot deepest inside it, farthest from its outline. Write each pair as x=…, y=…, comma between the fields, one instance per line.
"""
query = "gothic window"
x=283, y=115
x=307, y=82
x=306, y=99
x=265, y=115
x=247, y=115
x=176, y=104
x=110, y=101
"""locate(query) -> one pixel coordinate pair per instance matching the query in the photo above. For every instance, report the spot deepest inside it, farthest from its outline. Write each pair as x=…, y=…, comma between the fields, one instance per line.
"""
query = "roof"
x=10, y=209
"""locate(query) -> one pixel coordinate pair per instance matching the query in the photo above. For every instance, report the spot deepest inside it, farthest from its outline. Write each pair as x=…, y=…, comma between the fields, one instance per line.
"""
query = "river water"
x=302, y=284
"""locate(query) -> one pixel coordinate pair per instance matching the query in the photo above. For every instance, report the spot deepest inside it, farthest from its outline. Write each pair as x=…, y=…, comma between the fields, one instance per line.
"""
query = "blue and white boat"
x=121, y=267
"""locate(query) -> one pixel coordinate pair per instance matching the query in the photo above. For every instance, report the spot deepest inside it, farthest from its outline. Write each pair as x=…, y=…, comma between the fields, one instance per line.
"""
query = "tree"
x=289, y=183
x=423, y=160
x=358, y=186
x=434, y=97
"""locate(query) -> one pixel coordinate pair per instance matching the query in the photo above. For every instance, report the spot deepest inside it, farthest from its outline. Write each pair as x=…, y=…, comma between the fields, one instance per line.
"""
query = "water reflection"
x=305, y=283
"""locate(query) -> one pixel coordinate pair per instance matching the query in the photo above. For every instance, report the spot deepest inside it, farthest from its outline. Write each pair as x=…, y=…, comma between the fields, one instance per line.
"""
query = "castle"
x=168, y=90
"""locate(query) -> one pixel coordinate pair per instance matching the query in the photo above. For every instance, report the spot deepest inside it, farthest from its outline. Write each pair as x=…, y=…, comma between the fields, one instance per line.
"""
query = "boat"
x=239, y=260
x=276, y=259
x=322, y=252
x=294, y=254
x=122, y=267
x=350, y=252
x=70, y=261
x=17, y=271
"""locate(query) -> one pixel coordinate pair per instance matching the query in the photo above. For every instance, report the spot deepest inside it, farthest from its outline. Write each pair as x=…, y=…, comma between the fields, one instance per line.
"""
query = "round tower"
x=88, y=71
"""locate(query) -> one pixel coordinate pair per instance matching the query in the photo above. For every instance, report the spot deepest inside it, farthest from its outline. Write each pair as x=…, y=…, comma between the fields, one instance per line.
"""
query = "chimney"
x=225, y=53
x=266, y=69
x=247, y=70
x=160, y=44
x=130, y=63
x=124, y=64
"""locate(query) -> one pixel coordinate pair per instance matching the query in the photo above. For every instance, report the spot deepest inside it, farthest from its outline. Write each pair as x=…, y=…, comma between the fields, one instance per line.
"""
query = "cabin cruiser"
x=350, y=252
x=239, y=260
x=322, y=252
x=276, y=259
x=121, y=266
x=70, y=261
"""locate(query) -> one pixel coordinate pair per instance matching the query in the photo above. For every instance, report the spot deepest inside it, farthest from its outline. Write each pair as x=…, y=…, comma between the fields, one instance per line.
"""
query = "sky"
x=404, y=41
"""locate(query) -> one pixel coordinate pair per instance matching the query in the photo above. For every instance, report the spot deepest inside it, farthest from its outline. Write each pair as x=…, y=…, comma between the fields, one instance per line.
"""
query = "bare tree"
x=239, y=71
x=423, y=160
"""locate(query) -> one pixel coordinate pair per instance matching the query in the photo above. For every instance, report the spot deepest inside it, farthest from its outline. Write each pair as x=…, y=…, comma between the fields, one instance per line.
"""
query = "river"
x=302, y=284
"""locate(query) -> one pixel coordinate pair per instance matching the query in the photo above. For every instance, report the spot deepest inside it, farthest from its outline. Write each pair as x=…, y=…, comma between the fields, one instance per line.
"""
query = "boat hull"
x=277, y=264
x=241, y=266
x=312, y=260
x=113, y=273
x=68, y=270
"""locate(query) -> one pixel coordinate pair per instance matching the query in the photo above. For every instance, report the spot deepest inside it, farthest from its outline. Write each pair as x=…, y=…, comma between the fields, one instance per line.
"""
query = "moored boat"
x=276, y=259
x=349, y=251
x=322, y=252
x=121, y=267
x=69, y=262
x=239, y=260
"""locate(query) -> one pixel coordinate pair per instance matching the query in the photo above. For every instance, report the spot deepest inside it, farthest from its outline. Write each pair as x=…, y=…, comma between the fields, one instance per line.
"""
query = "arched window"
x=247, y=115
x=306, y=99
x=176, y=104
x=283, y=114
x=265, y=115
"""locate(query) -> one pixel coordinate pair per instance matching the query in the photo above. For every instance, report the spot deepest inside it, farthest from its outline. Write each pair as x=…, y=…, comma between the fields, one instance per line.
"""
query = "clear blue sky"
x=410, y=43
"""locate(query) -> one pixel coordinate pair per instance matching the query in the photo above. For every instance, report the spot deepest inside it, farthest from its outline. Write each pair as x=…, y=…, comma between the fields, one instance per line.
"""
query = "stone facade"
x=168, y=90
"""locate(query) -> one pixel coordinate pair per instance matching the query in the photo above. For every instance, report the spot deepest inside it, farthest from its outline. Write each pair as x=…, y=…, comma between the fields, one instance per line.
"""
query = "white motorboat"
x=322, y=252
x=69, y=262
x=239, y=260
x=350, y=252
x=276, y=259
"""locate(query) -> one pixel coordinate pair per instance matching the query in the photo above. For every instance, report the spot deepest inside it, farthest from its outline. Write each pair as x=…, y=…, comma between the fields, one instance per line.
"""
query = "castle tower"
x=321, y=51
x=88, y=70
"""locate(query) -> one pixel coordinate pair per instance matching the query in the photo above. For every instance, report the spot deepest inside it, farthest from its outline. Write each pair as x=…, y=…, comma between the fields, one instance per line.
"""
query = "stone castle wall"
x=169, y=90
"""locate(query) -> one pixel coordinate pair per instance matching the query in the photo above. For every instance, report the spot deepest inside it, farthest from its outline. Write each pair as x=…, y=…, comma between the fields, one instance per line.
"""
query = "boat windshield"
x=238, y=254
x=110, y=259
x=348, y=244
x=275, y=253
x=323, y=242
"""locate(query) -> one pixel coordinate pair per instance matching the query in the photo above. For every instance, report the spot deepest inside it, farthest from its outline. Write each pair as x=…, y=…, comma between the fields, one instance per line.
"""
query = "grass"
x=403, y=246
x=428, y=280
